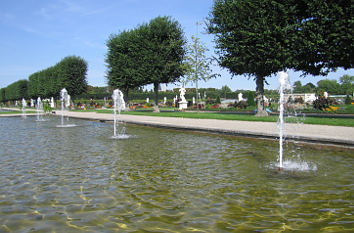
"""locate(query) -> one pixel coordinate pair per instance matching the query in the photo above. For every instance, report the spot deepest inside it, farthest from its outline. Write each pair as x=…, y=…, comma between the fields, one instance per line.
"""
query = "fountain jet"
x=24, y=108
x=63, y=101
x=284, y=84
x=118, y=105
x=39, y=109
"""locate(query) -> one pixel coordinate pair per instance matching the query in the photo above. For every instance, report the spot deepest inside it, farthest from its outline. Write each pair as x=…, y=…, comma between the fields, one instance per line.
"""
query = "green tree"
x=2, y=95
x=197, y=64
x=250, y=98
x=72, y=72
x=324, y=36
x=225, y=90
x=309, y=87
x=347, y=84
x=123, y=61
x=17, y=90
x=253, y=38
x=262, y=37
x=297, y=87
x=329, y=85
x=162, y=52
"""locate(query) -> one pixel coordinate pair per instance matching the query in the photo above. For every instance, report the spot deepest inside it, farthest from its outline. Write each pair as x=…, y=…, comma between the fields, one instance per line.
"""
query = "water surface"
x=79, y=179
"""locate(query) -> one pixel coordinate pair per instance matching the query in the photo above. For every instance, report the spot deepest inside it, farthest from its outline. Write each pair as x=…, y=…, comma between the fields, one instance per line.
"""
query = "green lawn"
x=242, y=117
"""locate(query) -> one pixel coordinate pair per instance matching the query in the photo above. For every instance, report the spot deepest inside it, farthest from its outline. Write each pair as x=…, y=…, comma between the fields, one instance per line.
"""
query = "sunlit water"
x=80, y=180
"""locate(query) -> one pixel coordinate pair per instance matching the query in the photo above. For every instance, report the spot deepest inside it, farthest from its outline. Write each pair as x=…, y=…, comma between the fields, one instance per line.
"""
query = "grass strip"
x=349, y=122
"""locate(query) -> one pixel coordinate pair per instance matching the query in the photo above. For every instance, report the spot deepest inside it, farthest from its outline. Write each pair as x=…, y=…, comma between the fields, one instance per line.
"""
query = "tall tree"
x=325, y=35
x=17, y=90
x=347, y=84
x=162, y=52
x=297, y=87
x=2, y=95
x=262, y=37
x=72, y=72
x=197, y=64
x=123, y=60
x=329, y=85
x=252, y=38
x=308, y=88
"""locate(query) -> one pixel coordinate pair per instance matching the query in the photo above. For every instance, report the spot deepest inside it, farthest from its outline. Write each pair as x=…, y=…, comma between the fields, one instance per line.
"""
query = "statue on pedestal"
x=183, y=103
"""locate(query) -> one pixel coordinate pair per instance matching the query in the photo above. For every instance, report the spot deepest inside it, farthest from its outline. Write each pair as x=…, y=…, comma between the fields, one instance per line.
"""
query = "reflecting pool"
x=79, y=179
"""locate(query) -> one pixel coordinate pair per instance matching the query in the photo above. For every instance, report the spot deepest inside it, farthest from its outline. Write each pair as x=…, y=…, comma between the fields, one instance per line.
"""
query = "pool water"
x=79, y=179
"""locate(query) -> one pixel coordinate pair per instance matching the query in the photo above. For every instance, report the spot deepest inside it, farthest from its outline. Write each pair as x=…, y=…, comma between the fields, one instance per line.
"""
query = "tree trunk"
x=260, y=97
x=196, y=93
x=126, y=99
x=156, y=90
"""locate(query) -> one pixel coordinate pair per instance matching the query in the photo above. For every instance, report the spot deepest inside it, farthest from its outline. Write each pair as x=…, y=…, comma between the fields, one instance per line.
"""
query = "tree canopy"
x=324, y=36
x=153, y=53
x=197, y=64
x=70, y=73
x=262, y=37
x=15, y=91
x=123, y=61
x=252, y=38
x=163, y=52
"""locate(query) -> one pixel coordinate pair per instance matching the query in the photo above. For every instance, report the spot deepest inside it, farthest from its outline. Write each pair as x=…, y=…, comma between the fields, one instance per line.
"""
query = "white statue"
x=240, y=97
x=325, y=94
x=68, y=100
x=147, y=100
x=182, y=91
x=164, y=100
x=183, y=103
x=52, y=105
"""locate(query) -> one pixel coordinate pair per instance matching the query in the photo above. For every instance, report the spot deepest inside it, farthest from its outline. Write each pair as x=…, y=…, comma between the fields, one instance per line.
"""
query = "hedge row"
x=69, y=73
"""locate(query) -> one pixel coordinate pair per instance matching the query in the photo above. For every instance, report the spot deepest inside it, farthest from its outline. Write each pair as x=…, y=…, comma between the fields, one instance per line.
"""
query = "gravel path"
x=337, y=135
x=329, y=135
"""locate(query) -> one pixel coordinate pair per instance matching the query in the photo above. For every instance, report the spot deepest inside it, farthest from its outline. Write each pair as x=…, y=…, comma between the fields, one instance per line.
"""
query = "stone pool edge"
x=270, y=135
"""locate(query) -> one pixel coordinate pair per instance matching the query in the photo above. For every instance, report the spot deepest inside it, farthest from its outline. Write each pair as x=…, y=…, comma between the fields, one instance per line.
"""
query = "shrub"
x=348, y=100
x=299, y=100
x=250, y=99
x=218, y=101
x=241, y=104
x=321, y=103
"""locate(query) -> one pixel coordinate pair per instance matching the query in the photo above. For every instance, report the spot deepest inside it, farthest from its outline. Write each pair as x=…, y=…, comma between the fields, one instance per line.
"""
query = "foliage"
x=347, y=84
x=348, y=100
x=96, y=93
x=262, y=37
x=325, y=35
x=46, y=107
x=124, y=61
x=197, y=64
x=250, y=98
x=15, y=91
x=240, y=104
x=218, y=101
x=161, y=53
x=2, y=95
x=321, y=103
x=70, y=73
x=329, y=85
x=252, y=39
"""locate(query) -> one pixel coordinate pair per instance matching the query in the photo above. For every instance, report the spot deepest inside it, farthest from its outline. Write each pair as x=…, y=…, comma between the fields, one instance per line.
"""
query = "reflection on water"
x=79, y=179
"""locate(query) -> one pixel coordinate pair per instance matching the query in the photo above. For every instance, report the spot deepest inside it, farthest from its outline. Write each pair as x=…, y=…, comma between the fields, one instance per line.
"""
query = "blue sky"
x=36, y=34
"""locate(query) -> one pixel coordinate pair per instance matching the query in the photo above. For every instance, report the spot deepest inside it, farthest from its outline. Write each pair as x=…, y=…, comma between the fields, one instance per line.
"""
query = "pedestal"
x=183, y=105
